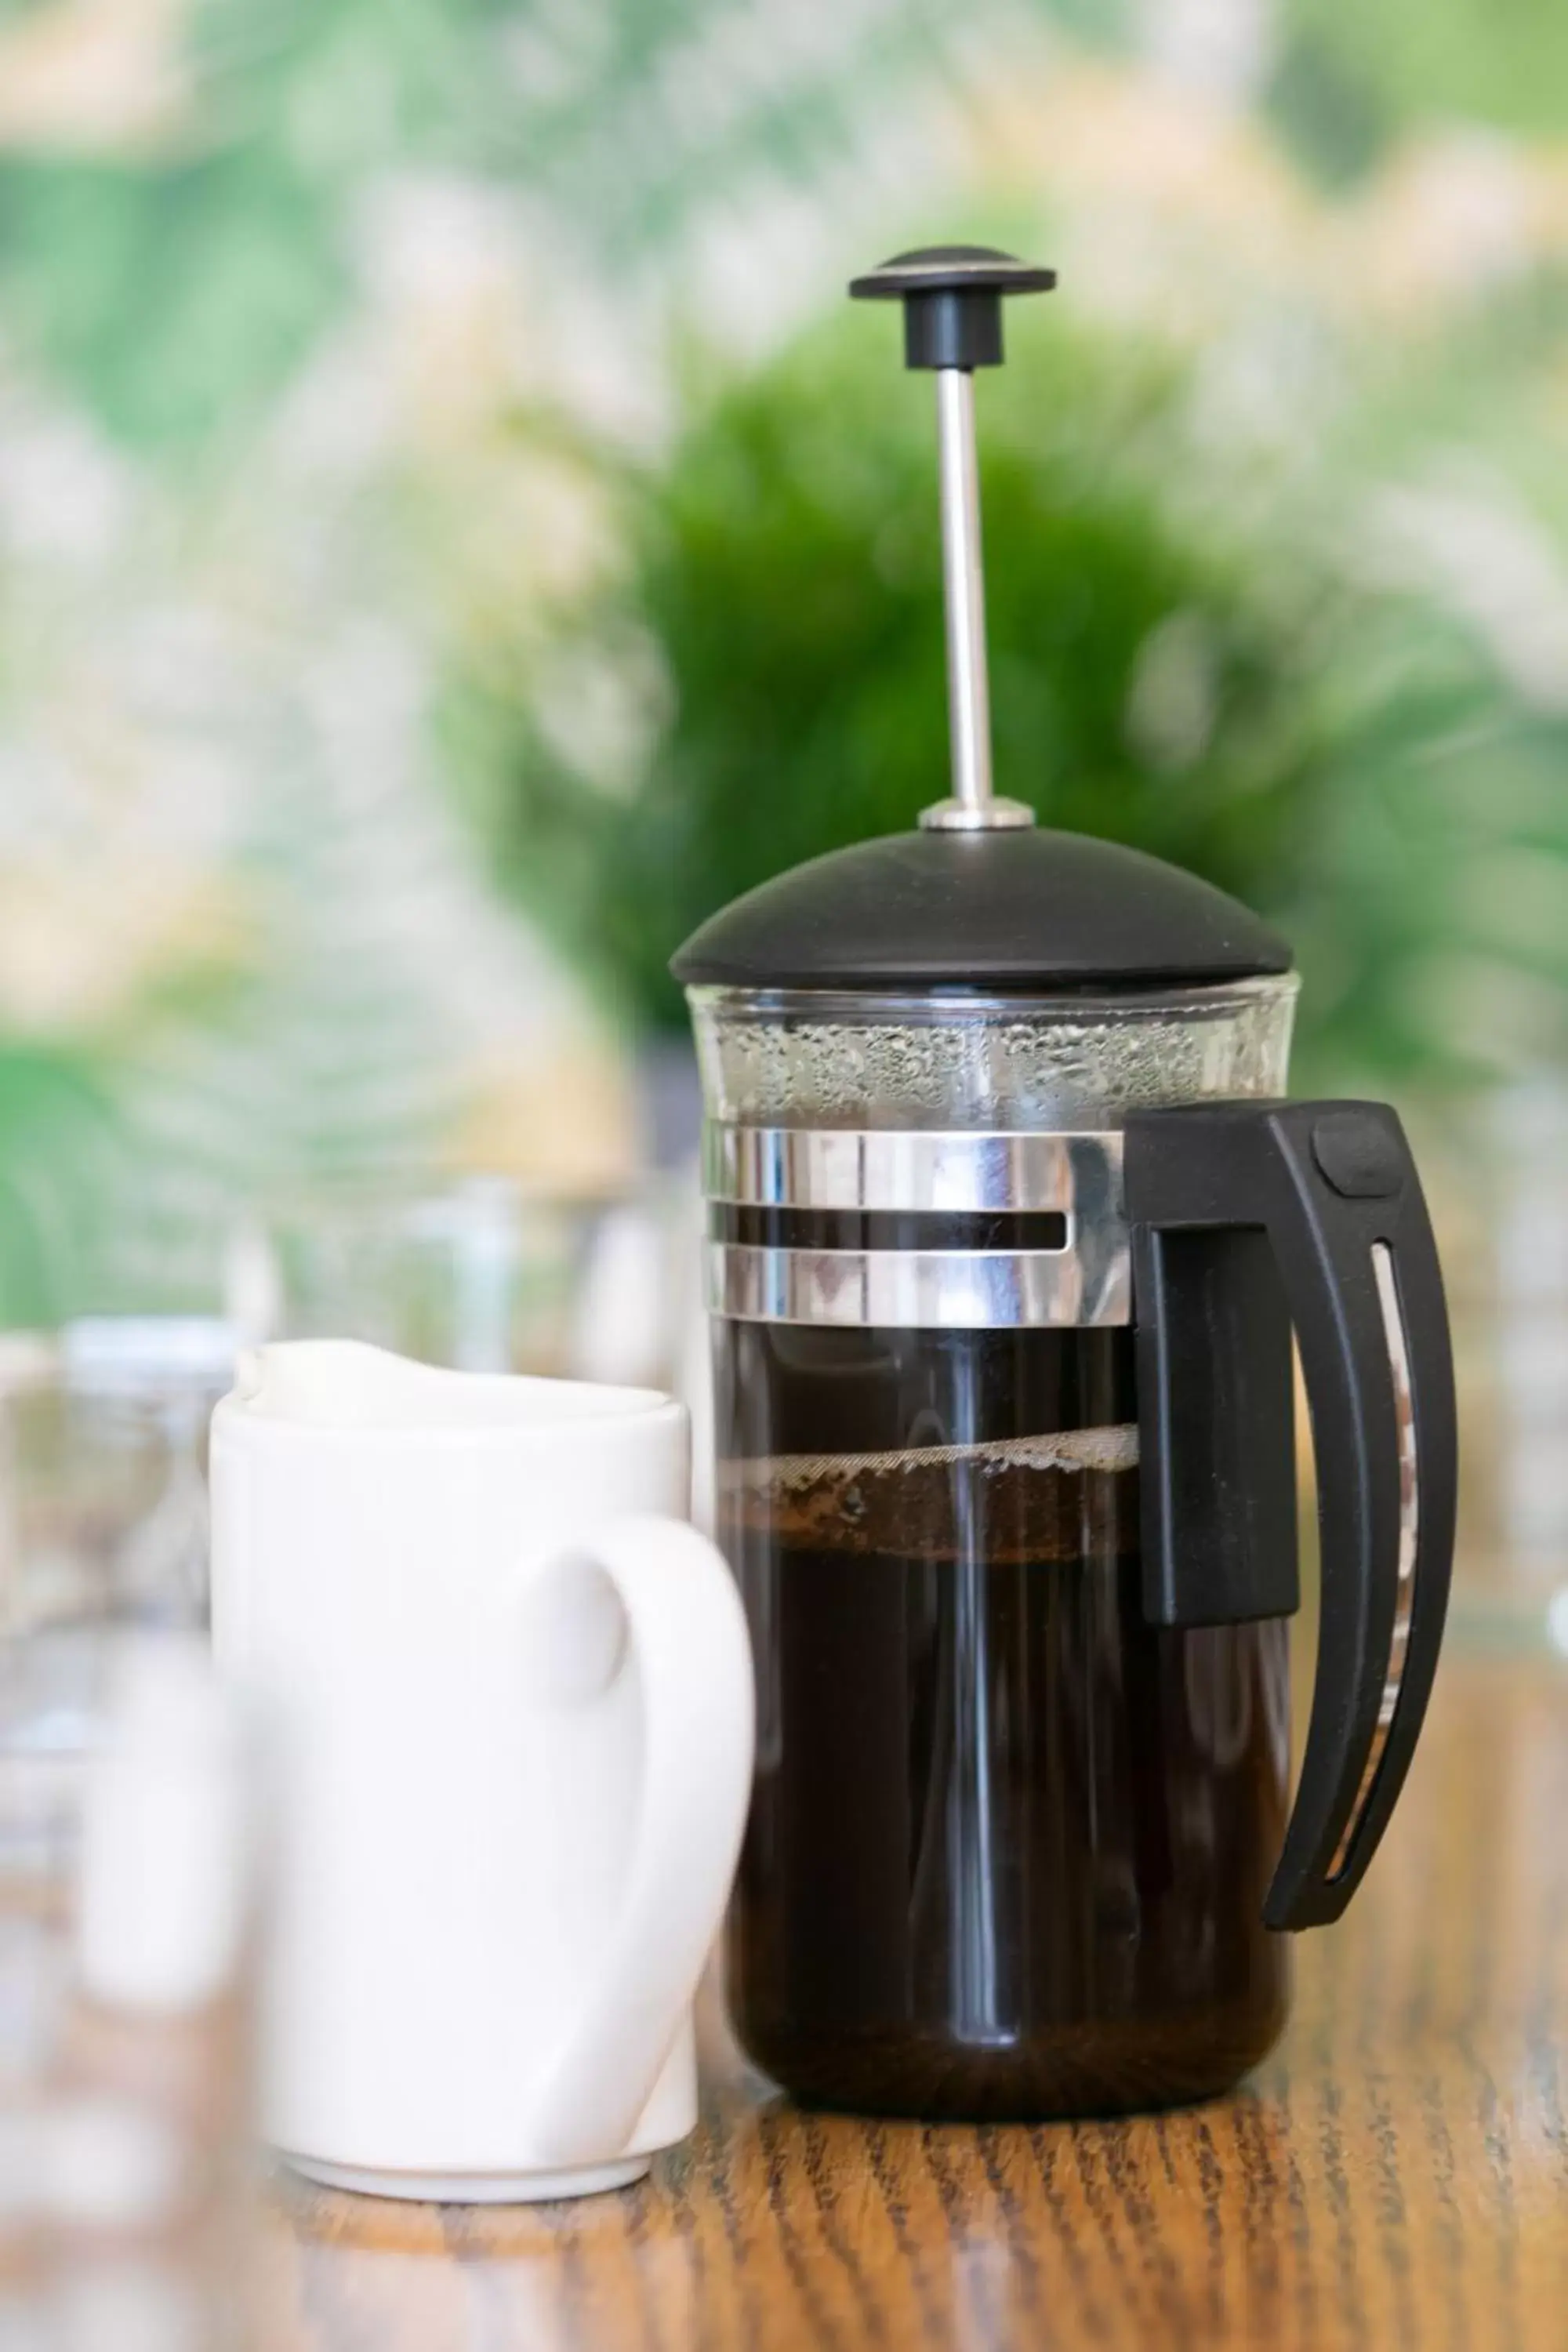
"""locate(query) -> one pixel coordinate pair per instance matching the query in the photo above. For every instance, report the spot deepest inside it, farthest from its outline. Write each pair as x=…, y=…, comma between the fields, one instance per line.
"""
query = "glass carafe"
x=1010, y=1843
x=1012, y=1837
x=1010, y=1226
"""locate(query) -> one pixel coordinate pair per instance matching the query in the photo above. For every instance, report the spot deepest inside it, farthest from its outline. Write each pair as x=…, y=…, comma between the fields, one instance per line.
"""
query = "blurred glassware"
x=122, y=2042
x=484, y=1275
x=127, y=1884
x=145, y=2127
x=1501, y=1203
x=103, y=1522
x=1528, y=1451
x=103, y=1432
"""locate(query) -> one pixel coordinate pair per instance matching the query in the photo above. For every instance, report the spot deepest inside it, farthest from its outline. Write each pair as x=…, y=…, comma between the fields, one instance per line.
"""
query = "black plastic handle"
x=1333, y=1187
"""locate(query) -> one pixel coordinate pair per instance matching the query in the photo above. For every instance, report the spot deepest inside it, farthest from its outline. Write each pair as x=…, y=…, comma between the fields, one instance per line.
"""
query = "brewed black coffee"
x=1009, y=1844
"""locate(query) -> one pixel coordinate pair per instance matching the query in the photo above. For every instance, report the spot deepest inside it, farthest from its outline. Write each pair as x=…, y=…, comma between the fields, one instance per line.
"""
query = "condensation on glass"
x=810, y=1059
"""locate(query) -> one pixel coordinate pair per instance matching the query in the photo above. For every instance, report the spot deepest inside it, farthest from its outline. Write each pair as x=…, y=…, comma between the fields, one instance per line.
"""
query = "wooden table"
x=1396, y=2175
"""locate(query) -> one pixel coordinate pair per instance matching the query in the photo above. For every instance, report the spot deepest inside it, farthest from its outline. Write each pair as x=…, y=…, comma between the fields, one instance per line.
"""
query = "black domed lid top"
x=1021, y=910
x=953, y=268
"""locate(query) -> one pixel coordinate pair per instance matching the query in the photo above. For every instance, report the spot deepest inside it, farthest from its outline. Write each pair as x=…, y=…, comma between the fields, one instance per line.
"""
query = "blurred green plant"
x=1175, y=665
x=1345, y=79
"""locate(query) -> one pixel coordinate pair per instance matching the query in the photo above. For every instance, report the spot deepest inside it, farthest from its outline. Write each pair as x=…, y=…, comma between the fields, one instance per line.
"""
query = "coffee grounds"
x=1045, y=1498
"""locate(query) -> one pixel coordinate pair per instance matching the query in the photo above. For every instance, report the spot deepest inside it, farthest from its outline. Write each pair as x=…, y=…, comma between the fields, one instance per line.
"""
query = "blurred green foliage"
x=175, y=293
x=57, y=1140
x=1194, y=648
x=1347, y=77
x=174, y=302
x=1173, y=665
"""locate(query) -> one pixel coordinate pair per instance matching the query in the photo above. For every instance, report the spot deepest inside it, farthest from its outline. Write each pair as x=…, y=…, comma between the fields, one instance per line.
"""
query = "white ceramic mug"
x=511, y=1702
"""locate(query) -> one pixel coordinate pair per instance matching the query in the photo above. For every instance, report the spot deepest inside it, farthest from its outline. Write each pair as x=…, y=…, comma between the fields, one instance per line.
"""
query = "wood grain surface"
x=1396, y=2174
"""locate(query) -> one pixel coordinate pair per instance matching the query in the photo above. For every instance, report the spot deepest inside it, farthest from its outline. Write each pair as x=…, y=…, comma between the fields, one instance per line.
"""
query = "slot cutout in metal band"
x=1409, y=1530
x=889, y=1229
x=868, y=1169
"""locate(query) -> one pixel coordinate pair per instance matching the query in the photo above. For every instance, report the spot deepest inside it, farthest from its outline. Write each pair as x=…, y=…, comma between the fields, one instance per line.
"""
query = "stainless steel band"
x=849, y=1168
x=926, y=1290
x=1085, y=1283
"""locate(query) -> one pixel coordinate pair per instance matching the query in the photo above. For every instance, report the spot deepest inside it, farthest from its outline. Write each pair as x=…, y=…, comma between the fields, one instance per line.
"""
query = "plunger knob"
x=951, y=296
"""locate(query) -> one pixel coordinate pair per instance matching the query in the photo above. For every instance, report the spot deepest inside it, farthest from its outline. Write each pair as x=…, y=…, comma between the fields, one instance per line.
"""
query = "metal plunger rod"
x=968, y=683
x=951, y=296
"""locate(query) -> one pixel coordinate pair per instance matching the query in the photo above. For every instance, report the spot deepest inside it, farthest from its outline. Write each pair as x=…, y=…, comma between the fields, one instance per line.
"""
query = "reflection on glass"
x=1409, y=1530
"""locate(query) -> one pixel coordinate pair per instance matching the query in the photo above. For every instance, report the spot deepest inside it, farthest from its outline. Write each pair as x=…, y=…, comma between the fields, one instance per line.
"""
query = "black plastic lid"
x=1007, y=910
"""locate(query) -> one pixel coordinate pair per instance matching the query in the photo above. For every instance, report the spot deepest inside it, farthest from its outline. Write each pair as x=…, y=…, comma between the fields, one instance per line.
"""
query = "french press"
x=1010, y=1226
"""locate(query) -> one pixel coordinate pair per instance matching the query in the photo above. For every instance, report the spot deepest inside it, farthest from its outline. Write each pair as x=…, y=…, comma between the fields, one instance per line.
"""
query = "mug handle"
x=687, y=1633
